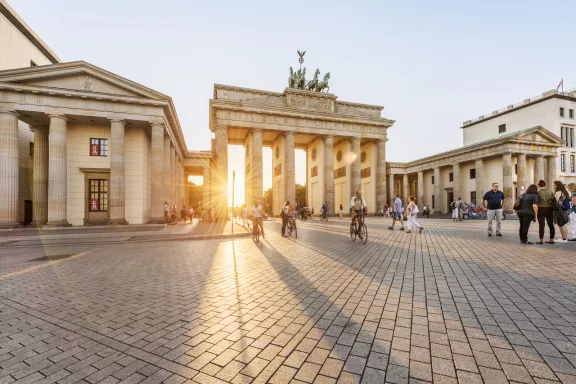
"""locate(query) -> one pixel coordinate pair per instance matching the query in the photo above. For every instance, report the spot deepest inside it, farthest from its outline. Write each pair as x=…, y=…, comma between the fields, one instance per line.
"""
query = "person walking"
x=561, y=213
x=545, y=212
x=284, y=214
x=573, y=216
x=460, y=209
x=397, y=215
x=244, y=215
x=454, y=208
x=528, y=212
x=166, y=213
x=492, y=202
x=412, y=212
x=386, y=210
x=341, y=211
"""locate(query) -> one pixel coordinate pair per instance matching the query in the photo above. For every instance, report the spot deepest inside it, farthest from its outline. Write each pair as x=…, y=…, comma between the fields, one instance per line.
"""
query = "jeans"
x=546, y=216
x=284, y=223
x=525, y=220
x=495, y=213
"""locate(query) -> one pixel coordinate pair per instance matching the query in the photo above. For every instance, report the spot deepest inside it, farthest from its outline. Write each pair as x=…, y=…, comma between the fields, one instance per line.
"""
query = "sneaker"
x=489, y=234
x=421, y=229
x=499, y=234
x=560, y=241
x=391, y=228
x=401, y=228
x=408, y=231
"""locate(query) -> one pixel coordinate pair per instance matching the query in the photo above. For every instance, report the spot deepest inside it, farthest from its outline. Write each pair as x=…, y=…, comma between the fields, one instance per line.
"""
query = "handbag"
x=518, y=203
x=561, y=217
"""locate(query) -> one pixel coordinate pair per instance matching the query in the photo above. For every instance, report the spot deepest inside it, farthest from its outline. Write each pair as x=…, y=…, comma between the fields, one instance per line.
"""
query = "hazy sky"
x=432, y=64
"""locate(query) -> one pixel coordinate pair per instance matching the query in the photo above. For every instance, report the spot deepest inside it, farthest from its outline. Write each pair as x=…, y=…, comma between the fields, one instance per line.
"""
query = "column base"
x=37, y=224
x=58, y=223
x=157, y=220
x=10, y=225
x=117, y=221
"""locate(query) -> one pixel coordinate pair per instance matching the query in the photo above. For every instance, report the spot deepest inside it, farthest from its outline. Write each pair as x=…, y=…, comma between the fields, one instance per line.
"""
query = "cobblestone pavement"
x=448, y=305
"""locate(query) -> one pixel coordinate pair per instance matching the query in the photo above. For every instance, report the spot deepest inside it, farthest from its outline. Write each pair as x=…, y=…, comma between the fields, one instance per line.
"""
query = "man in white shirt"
x=256, y=212
x=357, y=204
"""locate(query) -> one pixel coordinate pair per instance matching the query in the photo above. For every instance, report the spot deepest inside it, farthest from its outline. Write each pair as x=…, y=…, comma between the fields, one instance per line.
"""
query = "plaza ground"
x=450, y=304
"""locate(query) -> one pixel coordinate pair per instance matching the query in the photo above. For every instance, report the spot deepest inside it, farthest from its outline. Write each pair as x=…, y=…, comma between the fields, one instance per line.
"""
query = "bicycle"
x=358, y=229
x=324, y=216
x=256, y=230
x=291, y=228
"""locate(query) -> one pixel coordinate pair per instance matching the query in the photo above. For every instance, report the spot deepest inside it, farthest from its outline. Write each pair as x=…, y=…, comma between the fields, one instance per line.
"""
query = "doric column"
x=221, y=146
x=256, y=166
x=116, y=190
x=8, y=169
x=381, y=197
x=40, y=177
x=479, y=180
x=456, y=185
x=355, y=167
x=57, y=172
x=391, y=189
x=538, y=169
x=329, y=173
x=172, y=175
x=405, y=188
x=521, y=176
x=508, y=183
x=420, y=190
x=182, y=178
x=166, y=174
x=552, y=174
x=206, y=188
x=157, y=168
x=290, y=180
x=437, y=191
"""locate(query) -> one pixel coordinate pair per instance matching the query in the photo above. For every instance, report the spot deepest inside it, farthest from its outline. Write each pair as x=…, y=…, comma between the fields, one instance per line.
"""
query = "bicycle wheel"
x=363, y=233
x=353, y=231
x=257, y=234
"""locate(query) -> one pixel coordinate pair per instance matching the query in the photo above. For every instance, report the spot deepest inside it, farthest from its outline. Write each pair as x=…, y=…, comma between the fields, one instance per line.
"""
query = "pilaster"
x=9, y=173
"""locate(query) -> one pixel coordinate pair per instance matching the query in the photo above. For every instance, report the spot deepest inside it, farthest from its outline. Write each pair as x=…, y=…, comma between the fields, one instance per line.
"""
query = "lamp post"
x=233, y=182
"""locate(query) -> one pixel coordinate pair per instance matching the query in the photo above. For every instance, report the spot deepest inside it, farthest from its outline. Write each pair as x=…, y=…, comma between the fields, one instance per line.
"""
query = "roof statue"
x=298, y=79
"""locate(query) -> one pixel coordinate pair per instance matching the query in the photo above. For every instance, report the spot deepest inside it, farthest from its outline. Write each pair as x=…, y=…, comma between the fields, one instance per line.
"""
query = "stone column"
x=456, y=185
x=329, y=174
x=437, y=191
x=355, y=167
x=221, y=146
x=182, y=178
x=538, y=169
x=508, y=183
x=290, y=179
x=521, y=176
x=157, y=168
x=57, y=172
x=480, y=182
x=116, y=190
x=552, y=174
x=391, y=188
x=405, y=188
x=9, y=169
x=421, y=190
x=381, y=197
x=172, y=176
x=40, y=178
x=256, y=167
x=166, y=174
x=206, y=187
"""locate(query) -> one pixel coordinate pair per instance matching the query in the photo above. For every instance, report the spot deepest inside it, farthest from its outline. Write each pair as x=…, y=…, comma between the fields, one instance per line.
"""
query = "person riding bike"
x=358, y=205
x=324, y=210
x=256, y=211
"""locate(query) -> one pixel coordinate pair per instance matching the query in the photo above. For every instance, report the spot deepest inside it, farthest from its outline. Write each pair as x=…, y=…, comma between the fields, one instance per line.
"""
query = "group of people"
x=410, y=212
x=457, y=206
x=171, y=214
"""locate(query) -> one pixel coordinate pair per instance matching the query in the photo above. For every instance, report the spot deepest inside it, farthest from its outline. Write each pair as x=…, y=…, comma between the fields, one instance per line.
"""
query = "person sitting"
x=357, y=205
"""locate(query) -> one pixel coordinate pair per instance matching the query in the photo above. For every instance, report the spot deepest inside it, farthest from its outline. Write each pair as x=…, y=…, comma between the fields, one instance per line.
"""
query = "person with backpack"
x=454, y=208
x=561, y=209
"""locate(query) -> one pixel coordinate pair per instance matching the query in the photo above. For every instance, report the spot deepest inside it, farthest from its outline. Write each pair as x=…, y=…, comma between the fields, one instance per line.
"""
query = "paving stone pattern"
x=450, y=305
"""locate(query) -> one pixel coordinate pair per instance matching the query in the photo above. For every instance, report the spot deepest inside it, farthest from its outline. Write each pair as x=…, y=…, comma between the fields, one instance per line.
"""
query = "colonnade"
x=50, y=172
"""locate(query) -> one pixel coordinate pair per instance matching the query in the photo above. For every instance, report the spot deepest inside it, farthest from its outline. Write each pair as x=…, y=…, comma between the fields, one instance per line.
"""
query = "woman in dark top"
x=528, y=212
x=545, y=212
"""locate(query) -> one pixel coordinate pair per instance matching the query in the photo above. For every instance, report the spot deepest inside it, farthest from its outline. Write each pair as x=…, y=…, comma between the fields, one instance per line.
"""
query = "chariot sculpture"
x=298, y=79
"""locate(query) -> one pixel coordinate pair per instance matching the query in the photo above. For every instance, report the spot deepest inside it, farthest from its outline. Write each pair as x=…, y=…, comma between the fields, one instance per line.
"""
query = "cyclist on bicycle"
x=358, y=205
x=285, y=214
x=256, y=211
x=324, y=210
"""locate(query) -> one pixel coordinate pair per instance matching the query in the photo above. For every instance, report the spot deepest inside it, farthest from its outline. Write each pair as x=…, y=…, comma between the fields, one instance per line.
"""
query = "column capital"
x=328, y=138
x=9, y=112
x=289, y=133
x=219, y=127
x=256, y=130
x=116, y=120
x=58, y=116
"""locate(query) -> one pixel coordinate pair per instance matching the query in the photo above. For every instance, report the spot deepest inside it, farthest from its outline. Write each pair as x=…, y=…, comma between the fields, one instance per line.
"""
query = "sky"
x=432, y=65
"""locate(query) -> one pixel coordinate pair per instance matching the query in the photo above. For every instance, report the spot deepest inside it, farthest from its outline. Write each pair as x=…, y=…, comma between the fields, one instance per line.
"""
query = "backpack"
x=452, y=205
x=518, y=203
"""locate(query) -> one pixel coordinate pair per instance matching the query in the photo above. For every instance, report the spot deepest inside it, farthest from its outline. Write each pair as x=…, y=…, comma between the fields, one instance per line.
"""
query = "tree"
x=268, y=201
x=301, y=195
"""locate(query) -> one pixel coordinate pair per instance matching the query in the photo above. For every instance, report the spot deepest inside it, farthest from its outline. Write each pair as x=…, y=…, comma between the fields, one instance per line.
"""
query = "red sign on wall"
x=94, y=149
x=93, y=204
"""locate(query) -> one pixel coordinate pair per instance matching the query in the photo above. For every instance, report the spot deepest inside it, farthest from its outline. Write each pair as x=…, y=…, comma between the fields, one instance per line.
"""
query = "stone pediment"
x=537, y=135
x=78, y=77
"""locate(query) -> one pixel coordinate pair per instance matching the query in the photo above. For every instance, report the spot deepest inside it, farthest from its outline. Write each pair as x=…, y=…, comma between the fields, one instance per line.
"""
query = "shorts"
x=397, y=216
x=358, y=211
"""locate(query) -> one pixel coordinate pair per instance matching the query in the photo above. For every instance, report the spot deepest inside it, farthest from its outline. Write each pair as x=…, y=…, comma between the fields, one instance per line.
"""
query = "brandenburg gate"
x=345, y=145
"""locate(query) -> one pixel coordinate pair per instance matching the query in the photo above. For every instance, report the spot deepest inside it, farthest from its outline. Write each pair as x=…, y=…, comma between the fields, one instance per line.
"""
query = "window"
x=571, y=113
x=366, y=172
x=98, y=147
x=562, y=163
x=433, y=202
x=561, y=112
x=572, y=137
x=33, y=64
x=563, y=134
x=451, y=176
x=31, y=149
x=98, y=195
x=432, y=179
x=572, y=164
x=473, y=197
x=473, y=173
x=502, y=128
x=515, y=169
